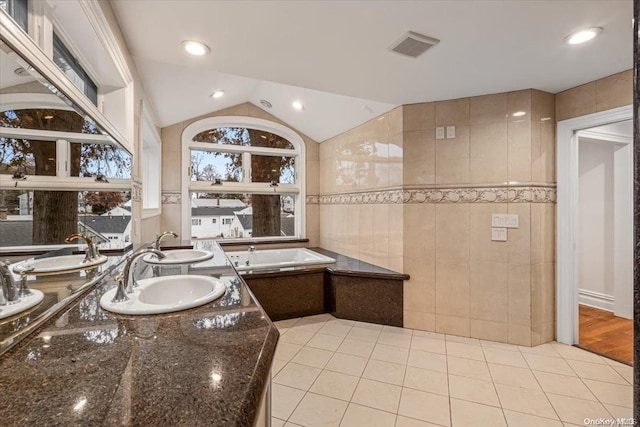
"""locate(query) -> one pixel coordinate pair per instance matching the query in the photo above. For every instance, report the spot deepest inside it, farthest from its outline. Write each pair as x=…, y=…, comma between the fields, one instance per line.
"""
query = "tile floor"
x=333, y=372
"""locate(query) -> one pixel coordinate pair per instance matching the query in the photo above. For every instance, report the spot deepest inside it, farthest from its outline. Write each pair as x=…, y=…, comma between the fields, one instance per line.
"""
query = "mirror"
x=60, y=173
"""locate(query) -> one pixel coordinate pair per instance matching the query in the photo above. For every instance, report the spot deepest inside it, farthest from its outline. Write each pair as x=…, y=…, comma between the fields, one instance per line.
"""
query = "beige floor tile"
x=473, y=390
x=468, y=368
x=397, y=330
x=285, y=351
x=516, y=377
x=385, y=372
x=466, y=340
x=275, y=422
x=365, y=325
x=563, y=385
x=556, y=365
x=316, y=318
x=362, y=334
x=541, y=350
x=319, y=411
x=347, y=364
x=277, y=366
x=505, y=357
x=315, y=357
x=297, y=376
x=359, y=416
x=424, y=406
x=425, y=380
x=624, y=370
x=518, y=419
x=574, y=353
x=308, y=327
x=286, y=324
x=335, y=328
x=426, y=360
x=377, y=395
x=336, y=385
x=325, y=342
x=615, y=394
x=619, y=411
x=297, y=337
x=428, y=344
x=502, y=346
x=394, y=339
x=596, y=371
x=468, y=351
x=388, y=353
x=531, y=402
x=412, y=422
x=289, y=424
x=284, y=400
x=469, y=414
x=428, y=334
x=356, y=347
x=575, y=411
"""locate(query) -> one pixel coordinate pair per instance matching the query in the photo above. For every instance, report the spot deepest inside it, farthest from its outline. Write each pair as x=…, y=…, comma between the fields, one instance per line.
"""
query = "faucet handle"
x=121, y=294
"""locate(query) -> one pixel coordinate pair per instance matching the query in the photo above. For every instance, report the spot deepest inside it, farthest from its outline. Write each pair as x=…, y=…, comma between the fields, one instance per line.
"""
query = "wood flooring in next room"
x=606, y=334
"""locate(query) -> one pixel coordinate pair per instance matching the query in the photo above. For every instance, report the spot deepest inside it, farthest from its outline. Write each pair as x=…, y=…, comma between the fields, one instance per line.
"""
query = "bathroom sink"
x=180, y=256
x=57, y=265
x=166, y=294
x=24, y=304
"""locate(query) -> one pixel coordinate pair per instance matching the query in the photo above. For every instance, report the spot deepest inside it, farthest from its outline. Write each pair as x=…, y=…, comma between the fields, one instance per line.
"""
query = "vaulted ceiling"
x=334, y=56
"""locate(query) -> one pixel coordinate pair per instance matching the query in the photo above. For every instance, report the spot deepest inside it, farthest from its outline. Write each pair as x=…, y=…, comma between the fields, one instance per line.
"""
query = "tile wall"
x=171, y=169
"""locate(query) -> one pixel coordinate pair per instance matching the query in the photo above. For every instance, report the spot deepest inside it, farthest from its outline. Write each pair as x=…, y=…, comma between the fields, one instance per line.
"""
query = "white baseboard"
x=595, y=299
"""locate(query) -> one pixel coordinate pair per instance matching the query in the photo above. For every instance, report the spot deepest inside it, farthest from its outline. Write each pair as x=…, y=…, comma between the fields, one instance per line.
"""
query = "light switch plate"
x=498, y=234
x=504, y=220
x=440, y=132
x=451, y=132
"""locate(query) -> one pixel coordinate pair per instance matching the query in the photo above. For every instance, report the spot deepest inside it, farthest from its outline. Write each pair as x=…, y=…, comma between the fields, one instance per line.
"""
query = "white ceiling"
x=342, y=48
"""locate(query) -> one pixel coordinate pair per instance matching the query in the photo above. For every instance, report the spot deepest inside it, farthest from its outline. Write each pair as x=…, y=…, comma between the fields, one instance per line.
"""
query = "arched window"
x=244, y=177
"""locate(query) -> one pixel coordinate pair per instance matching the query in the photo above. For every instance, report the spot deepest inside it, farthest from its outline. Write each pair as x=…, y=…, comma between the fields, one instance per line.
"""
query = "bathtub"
x=274, y=258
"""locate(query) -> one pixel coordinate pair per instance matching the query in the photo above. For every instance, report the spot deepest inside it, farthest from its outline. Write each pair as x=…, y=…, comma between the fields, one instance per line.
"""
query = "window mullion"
x=63, y=156
x=246, y=169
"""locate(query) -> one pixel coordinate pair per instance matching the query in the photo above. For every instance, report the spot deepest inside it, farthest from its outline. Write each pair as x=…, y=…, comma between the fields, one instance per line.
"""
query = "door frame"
x=567, y=216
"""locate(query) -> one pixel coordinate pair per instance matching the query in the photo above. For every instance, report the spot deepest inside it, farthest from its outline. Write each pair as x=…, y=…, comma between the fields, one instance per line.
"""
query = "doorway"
x=595, y=232
x=605, y=283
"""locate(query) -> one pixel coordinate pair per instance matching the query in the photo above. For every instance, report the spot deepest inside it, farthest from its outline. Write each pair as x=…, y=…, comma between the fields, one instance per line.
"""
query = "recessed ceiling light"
x=297, y=105
x=217, y=94
x=519, y=114
x=195, y=48
x=265, y=103
x=582, y=36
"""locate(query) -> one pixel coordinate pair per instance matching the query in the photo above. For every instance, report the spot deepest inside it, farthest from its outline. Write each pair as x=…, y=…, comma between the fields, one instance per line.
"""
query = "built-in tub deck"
x=347, y=288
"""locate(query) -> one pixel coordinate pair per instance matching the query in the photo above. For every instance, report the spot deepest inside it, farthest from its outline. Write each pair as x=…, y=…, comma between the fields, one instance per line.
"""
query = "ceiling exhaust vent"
x=413, y=44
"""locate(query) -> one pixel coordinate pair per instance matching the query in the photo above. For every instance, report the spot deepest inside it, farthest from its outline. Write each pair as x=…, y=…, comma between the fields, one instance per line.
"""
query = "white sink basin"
x=24, y=304
x=180, y=256
x=166, y=294
x=57, y=265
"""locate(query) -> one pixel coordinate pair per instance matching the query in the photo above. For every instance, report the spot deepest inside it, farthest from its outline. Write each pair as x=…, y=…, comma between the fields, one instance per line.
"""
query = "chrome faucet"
x=92, y=253
x=125, y=285
x=156, y=244
x=9, y=293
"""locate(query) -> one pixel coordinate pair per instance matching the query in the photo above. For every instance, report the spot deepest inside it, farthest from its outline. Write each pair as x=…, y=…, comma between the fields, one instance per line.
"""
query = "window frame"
x=245, y=186
x=151, y=152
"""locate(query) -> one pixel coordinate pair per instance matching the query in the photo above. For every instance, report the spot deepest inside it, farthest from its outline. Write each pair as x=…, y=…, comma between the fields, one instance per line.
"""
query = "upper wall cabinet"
x=71, y=46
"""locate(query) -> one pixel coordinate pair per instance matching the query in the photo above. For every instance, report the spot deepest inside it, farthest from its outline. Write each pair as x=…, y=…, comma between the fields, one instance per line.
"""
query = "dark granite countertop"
x=85, y=366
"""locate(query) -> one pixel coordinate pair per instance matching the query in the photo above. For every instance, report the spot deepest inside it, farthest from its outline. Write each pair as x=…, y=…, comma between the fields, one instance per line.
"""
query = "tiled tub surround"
x=204, y=366
x=333, y=372
x=348, y=289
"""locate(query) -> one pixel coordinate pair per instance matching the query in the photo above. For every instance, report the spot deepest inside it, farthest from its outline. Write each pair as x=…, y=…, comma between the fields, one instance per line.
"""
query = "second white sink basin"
x=24, y=304
x=57, y=265
x=166, y=294
x=180, y=256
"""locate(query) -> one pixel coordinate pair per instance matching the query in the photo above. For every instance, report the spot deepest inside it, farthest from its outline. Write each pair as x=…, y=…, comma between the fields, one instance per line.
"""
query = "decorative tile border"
x=312, y=199
x=520, y=194
x=171, y=198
